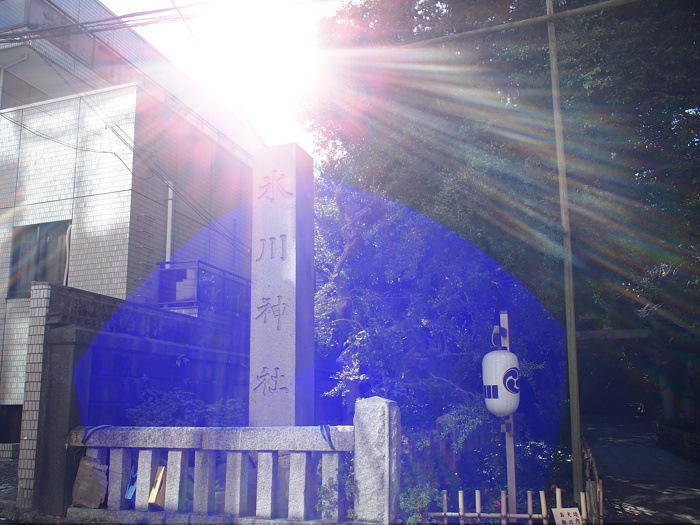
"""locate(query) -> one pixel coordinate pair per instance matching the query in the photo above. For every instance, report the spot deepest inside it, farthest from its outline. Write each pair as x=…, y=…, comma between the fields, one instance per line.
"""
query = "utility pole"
x=571, y=352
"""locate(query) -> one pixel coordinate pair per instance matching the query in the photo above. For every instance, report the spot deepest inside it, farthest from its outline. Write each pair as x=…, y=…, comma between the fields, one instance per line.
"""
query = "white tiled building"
x=94, y=129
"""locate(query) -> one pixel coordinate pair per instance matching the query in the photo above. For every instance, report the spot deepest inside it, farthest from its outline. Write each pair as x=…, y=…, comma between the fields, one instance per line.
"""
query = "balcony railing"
x=201, y=285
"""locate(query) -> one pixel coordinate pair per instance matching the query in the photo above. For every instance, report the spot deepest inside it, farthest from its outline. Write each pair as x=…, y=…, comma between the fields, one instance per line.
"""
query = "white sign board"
x=567, y=516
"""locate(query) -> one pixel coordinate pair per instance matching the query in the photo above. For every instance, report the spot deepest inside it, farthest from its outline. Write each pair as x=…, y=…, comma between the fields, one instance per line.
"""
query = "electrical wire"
x=58, y=141
x=111, y=23
x=189, y=29
x=205, y=217
x=130, y=20
x=208, y=220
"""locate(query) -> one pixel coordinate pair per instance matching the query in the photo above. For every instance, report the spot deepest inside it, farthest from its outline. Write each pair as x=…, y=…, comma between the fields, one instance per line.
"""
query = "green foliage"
x=631, y=108
x=460, y=422
x=332, y=488
x=414, y=327
x=416, y=503
x=462, y=133
x=407, y=311
x=178, y=408
x=327, y=498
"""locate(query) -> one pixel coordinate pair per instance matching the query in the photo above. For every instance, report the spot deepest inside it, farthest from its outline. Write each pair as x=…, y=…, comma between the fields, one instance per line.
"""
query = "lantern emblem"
x=511, y=380
x=501, y=375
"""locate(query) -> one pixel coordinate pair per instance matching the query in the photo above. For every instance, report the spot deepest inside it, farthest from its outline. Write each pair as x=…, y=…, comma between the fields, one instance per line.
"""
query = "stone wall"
x=116, y=345
x=92, y=355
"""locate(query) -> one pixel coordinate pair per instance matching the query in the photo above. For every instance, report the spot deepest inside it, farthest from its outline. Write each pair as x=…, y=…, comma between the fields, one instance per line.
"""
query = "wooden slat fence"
x=505, y=517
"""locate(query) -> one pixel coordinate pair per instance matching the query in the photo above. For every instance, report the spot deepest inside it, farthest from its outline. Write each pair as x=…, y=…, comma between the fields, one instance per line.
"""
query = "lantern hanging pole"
x=507, y=427
x=503, y=329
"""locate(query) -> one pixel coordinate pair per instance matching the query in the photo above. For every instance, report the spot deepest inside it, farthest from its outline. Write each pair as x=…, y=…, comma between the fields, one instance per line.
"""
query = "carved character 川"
x=282, y=249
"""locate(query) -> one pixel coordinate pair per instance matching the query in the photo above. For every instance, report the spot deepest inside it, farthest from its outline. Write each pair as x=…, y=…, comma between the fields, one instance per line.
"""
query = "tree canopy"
x=461, y=134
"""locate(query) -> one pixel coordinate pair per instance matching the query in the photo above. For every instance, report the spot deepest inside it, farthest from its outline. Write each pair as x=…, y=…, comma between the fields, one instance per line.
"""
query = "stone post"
x=282, y=289
x=377, y=460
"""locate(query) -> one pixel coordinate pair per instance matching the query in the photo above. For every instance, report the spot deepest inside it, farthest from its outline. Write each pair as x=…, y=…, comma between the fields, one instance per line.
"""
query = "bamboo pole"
x=476, y=517
x=444, y=507
x=543, y=504
x=504, y=520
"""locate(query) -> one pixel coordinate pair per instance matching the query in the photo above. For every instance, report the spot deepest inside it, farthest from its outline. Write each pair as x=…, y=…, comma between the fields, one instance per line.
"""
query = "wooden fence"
x=530, y=516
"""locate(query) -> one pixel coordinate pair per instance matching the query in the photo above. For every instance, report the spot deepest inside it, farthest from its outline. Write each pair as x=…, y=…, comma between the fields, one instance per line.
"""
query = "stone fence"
x=246, y=473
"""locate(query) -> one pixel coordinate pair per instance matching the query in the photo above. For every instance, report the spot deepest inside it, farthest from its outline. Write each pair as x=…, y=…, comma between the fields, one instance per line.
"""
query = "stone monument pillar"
x=282, y=289
x=377, y=464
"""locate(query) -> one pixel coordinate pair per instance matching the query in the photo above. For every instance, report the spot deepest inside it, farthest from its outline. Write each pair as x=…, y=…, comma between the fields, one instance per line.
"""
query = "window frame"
x=39, y=253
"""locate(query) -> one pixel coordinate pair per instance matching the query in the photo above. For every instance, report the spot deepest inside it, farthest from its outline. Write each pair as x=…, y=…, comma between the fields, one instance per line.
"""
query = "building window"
x=39, y=253
x=10, y=423
x=42, y=15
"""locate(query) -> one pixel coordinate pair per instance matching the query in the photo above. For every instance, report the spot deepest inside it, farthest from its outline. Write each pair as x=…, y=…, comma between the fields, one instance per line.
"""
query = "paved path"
x=642, y=483
x=8, y=479
x=8, y=496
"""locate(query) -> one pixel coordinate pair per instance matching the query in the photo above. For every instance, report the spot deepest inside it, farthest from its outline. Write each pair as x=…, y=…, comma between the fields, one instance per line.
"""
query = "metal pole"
x=508, y=428
x=568, y=265
x=169, y=223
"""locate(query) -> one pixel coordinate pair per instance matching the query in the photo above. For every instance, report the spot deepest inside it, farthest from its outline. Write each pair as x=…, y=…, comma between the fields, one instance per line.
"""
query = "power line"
x=115, y=23
x=185, y=197
x=112, y=23
x=44, y=136
x=191, y=202
x=137, y=19
x=592, y=8
x=194, y=39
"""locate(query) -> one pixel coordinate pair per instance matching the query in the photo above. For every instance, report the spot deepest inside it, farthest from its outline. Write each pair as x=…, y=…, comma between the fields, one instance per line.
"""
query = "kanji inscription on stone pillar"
x=282, y=289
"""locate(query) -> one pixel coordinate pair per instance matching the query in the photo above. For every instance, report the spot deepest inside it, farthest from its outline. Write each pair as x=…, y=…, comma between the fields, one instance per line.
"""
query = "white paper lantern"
x=501, y=382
